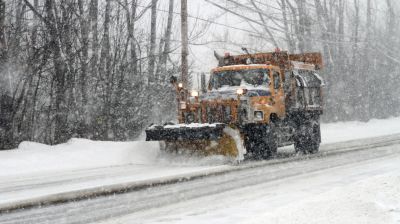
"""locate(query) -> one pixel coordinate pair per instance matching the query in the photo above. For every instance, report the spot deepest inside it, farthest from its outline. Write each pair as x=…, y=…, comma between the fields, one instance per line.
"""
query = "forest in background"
x=100, y=69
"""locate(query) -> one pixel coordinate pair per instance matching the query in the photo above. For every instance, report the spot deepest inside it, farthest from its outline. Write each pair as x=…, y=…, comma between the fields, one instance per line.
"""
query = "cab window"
x=277, y=80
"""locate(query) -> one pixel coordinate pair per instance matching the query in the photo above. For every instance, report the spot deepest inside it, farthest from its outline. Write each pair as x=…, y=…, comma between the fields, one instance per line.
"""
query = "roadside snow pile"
x=75, y=154
x=33, y=157
x=344, y=131
x=374, y=200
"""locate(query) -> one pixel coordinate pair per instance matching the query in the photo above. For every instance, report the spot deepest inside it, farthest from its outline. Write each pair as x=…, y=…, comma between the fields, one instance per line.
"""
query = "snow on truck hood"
x=229, y=92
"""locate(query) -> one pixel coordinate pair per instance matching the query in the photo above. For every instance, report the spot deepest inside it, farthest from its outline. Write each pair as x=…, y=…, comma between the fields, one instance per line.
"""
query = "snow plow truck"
x=253, y=104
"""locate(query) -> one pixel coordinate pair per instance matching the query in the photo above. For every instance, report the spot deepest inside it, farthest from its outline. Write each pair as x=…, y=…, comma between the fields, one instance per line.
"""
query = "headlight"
x=258, y=115
x=241, y=91
x=194, y=93
x=182, y=105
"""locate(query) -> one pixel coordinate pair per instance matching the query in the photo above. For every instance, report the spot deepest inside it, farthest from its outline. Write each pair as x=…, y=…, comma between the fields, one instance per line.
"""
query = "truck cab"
x=258, y=88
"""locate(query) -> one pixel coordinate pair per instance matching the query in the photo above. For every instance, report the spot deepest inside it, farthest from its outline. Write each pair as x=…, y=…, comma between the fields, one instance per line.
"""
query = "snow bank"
x=33, y=157
x=344, y=131
x=75, y=154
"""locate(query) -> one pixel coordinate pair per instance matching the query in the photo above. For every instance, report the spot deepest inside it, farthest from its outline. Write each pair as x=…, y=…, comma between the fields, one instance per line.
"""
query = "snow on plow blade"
x=207, y=139
x=184, y=132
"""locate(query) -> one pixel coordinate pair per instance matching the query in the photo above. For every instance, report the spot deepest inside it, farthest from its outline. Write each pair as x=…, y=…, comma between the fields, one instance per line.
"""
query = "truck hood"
x=229, y=92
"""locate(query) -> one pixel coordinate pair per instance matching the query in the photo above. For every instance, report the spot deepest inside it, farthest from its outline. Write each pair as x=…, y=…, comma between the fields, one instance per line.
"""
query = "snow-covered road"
x=249, y=195
x=55, y=187
x=38, y=173
x=331, y=190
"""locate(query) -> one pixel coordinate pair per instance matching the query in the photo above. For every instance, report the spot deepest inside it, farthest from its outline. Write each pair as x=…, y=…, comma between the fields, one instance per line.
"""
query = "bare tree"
x=75, y=68
x=2, y=32
x=152, y=47
x=93, y=18
x=59, y=74
x=184, y=40
x=289, y=39
x=130, y=19
x=265, y=25
x=166, y=41
x=84, y=25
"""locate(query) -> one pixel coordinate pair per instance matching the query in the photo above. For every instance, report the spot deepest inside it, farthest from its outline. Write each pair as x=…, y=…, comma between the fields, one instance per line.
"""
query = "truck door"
x=279, y=93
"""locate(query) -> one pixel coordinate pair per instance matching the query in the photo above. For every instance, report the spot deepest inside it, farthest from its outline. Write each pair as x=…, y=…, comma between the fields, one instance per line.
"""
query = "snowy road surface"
x=331, y=190
x=37, y=172
x=33, y=189
x=340, y=187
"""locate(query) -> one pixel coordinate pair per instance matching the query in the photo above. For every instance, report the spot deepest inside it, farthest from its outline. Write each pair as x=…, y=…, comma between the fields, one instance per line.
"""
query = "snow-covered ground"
x=344, y=131
x=36, y=170
x=357, y=186
x=31, y=158
x=361, y=193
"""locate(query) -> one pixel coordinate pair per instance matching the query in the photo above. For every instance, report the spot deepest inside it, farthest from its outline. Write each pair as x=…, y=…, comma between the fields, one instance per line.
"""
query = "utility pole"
x=184, y=40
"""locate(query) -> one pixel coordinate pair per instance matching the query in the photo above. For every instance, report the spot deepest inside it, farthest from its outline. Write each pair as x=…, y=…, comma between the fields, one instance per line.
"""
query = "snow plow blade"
x=205, y=139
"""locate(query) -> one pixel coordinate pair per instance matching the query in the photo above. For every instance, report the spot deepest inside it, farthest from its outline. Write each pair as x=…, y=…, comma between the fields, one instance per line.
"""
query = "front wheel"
x=271, y=141
x=261, y=142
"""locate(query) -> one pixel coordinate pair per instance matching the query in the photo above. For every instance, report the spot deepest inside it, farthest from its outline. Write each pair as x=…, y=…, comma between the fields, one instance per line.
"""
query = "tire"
x=308, y=137
x=261, y=142
x=254, y=148
x=271, y=142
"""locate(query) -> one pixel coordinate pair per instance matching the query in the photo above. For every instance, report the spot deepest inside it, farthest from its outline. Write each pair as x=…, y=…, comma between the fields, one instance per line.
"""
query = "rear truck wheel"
x=261, y=141
x=308, y=137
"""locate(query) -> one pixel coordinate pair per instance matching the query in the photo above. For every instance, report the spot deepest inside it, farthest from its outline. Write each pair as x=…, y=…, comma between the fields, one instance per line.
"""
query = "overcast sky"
x=224, y=32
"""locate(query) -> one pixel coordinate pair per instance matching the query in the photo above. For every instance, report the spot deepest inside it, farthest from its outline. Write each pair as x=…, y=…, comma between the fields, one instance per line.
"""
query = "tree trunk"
x=152, y=48
x=85, y=50
x=2, y=33
x=60, y=116
x=15, y=44
x=162, y=67
x=130, y=18
x=104, y=71
x=340, y=10
x=301, y=34
x=367, y=66
x=355, y=65
x=184, y=39
x=93, y=17
x=287, y=30
x=356, y=25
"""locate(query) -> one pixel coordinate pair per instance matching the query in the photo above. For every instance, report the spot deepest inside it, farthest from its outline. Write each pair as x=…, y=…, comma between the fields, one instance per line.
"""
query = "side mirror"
x=173, y=80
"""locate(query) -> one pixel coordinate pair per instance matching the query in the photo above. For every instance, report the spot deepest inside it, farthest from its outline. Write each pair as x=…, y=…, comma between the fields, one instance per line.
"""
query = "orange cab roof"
x=243, y=67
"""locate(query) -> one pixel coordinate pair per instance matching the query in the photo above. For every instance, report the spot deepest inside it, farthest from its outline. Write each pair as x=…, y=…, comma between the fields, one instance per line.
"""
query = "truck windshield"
x=255, y=77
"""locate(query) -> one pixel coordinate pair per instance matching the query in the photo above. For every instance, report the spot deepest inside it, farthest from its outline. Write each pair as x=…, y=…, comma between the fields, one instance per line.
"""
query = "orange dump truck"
x=254, y=104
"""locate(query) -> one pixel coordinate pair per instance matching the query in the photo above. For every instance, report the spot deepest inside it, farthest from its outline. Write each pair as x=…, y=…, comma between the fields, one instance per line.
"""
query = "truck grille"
x=219, y=114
